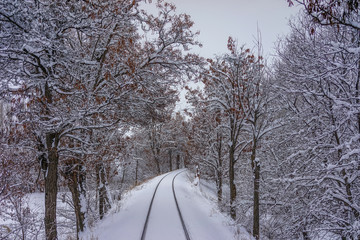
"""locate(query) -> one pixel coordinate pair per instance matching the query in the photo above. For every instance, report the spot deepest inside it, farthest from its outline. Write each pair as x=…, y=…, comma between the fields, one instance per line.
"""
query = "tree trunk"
x=178, y=161
x=170, y=160
x=358, y=101
x=186, y=159
x=357, y=86
x=256, y=219
x=136, y=173
x=219, y=185
x=256, y=207
x=2, y=115
x=305, y=235
x=219, y=170
x=104, y=203
x=157, y=162
x=51, y=177
x=232, y=183
x=76, y=176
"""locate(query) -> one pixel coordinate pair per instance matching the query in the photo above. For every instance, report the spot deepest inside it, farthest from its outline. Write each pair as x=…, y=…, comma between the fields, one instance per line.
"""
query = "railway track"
x=186, y=233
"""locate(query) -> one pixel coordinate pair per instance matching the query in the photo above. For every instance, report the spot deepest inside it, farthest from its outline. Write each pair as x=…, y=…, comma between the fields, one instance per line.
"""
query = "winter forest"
x=88, y=96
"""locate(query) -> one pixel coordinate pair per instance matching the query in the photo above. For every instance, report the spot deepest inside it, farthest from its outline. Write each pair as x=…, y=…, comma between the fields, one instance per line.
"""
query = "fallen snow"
x=34, y=204
x=164, y=221
x=201, y=215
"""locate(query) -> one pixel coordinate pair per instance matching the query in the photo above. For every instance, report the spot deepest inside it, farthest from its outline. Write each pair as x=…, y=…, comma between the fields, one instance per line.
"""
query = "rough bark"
x=51, y=177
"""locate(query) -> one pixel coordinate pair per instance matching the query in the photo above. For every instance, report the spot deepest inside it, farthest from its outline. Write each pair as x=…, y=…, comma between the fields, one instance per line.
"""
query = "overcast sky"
x=218, y=19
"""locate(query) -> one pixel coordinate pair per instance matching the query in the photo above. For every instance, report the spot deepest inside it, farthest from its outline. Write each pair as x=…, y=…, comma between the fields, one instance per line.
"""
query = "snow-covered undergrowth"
x=125, y=219
x=24, y=218
x=206, y=192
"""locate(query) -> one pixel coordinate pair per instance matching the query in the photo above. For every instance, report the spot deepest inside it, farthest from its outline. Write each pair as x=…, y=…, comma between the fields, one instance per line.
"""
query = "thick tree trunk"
x=104, y=203
x=232, y=183
x=51, y=177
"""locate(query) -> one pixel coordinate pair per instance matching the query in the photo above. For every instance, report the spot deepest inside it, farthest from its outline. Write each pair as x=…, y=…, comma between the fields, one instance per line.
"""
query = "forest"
x=88, y=96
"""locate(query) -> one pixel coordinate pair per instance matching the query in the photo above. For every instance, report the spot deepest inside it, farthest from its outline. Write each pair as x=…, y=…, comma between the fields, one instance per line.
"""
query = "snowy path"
x=164, y=220
x=200, y=214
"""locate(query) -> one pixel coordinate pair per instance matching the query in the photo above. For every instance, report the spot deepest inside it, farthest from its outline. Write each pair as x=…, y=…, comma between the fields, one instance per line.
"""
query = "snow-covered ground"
x=30, y=213
x=201, y=215
x=126, y=219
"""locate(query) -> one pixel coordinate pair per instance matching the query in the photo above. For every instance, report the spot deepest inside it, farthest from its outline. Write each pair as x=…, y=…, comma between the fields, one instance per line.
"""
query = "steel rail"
x=148, y=214
x=177, y=206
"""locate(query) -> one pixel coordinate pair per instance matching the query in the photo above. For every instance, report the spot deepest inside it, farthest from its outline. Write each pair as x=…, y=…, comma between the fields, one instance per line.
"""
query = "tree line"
x=88, y=95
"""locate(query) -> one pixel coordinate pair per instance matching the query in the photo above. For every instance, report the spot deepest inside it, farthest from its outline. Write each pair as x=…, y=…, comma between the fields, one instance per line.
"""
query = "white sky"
x=218, y=19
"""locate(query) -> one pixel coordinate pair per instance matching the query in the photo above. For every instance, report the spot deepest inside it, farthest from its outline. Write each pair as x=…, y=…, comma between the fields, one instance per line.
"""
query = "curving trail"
x=198, y=213
x=149, y=211
x=164, y=219
x=178, y=208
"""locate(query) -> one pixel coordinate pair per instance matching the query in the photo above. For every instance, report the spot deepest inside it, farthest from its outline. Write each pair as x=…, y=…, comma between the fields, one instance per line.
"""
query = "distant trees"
x=161, y=146
x=208, y=143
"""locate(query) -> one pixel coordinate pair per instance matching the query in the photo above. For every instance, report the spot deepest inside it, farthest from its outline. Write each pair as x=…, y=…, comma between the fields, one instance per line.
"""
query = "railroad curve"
x=186, y=233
